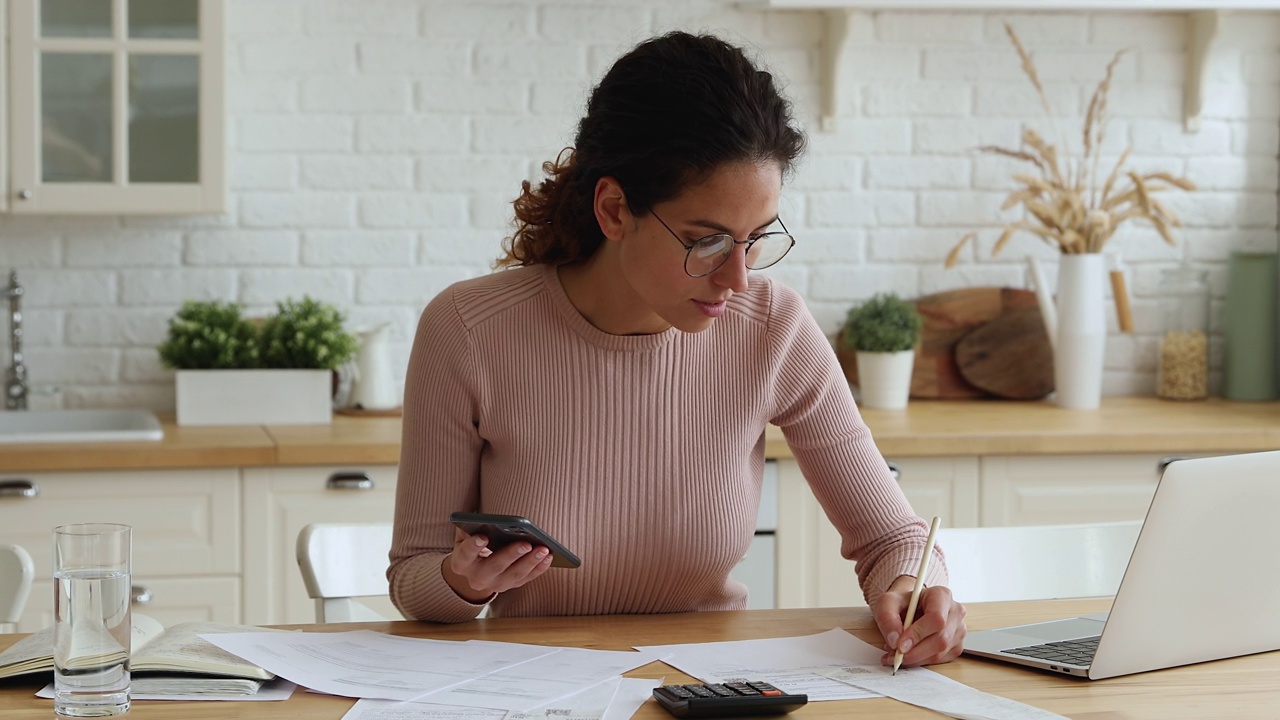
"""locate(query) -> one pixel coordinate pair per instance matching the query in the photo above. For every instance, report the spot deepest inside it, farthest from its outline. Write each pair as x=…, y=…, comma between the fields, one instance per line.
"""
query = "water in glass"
x=91, y=650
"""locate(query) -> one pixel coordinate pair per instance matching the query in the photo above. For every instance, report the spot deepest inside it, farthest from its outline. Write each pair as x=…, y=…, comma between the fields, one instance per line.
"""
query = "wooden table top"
x=1238, y=688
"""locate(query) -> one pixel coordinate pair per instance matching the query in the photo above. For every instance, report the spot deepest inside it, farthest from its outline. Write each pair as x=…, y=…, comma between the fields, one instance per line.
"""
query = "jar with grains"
x=1183, y=371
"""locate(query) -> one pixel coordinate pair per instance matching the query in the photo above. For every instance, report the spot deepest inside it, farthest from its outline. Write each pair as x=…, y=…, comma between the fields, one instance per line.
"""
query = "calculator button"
x=699, y=690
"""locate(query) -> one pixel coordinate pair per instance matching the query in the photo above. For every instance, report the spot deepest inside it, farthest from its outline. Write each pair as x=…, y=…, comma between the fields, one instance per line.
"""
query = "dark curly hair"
x=666, y=115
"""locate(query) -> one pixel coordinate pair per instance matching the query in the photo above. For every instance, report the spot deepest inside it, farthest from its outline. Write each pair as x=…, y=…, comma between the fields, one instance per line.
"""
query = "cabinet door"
x=278, y=503
x=116, y=106
x=811, y=571
x=1066, y=489
x=186, y=533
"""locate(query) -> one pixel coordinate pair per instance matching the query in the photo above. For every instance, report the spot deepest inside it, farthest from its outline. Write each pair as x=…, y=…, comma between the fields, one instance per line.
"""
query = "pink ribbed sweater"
x=643, y=454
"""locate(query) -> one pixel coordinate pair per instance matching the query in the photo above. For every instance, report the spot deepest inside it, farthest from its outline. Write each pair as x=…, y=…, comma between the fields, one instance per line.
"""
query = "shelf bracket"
x=1202, y=30
x=838, y=22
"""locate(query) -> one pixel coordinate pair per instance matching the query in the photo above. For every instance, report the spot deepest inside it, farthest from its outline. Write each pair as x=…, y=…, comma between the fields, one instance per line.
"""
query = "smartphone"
x=503, y=530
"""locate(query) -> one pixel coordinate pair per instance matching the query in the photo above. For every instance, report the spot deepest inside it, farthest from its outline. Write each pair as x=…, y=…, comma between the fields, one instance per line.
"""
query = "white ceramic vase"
x=1082, y=331
x=884, y=378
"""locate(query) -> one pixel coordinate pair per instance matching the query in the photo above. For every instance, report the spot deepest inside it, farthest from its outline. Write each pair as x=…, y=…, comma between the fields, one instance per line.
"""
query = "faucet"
x=15, y=377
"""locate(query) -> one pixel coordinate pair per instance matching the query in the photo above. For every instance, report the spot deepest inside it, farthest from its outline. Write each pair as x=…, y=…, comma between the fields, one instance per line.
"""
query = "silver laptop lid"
x=1204, y=576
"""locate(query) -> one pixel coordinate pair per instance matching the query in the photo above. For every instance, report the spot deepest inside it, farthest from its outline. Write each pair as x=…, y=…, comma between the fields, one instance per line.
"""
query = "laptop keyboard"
x=1071, y=652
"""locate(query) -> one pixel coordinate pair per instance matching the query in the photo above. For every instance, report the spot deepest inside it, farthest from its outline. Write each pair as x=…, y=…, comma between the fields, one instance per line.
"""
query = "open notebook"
x=188, y=663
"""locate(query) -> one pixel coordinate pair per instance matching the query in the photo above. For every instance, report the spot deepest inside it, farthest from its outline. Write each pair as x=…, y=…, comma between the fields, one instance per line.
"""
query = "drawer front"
x=279, y=502
x=185, y=522
x=172, y=600
x=1067, y=489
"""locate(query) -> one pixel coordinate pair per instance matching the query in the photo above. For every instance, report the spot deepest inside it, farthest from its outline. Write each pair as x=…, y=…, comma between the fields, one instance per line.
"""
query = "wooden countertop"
x=1243, y=687
x=925, y=428
x=1121, y=425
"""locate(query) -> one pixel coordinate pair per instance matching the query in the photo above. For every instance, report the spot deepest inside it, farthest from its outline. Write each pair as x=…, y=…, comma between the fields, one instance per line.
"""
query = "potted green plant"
x=883, y=332
x=279, y=371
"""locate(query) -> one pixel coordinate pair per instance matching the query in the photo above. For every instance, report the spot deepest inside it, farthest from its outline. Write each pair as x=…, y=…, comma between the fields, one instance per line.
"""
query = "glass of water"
x=91, y=566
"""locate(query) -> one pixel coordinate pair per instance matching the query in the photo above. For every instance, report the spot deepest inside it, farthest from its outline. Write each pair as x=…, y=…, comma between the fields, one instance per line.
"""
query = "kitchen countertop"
x=925, y=428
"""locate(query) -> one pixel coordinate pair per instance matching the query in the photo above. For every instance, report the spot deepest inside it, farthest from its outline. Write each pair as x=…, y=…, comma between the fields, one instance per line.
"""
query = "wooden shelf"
x=1203, y=19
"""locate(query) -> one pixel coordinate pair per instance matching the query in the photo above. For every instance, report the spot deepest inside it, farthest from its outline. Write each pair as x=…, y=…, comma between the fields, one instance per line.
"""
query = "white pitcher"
x=372, y=387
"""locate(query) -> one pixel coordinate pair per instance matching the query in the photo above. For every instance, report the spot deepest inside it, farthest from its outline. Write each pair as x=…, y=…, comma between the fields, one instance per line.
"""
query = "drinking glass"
x=91, y=569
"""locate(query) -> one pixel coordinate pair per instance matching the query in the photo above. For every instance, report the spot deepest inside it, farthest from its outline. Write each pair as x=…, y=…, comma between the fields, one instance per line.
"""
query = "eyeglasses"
x=707, y=254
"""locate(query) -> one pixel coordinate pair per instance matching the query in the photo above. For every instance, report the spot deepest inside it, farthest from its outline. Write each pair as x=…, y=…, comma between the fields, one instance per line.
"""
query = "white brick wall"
x=375, y=147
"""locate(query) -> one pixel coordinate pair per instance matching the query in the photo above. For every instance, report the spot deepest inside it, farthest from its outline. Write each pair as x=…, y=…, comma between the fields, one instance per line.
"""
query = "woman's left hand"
x=936, y=635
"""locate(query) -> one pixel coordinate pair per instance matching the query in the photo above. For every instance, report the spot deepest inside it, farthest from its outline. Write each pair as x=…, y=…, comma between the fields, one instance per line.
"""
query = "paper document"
x=790, y=664
x=939, y=693
x=550, y=677
x=366, y=664
x=615, y=699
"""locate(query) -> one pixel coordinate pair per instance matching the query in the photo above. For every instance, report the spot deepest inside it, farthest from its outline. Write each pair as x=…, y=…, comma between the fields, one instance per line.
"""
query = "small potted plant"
x=305, y=334
x=883, y=331
x=231, y=372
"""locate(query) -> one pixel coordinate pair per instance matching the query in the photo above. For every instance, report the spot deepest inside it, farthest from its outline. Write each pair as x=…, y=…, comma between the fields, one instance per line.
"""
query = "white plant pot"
x=254, y=397
x=884, y=378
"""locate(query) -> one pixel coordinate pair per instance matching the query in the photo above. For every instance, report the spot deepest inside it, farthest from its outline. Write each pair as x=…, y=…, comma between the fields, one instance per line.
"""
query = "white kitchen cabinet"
x=186, y=533
x=997, y=490
x=278, y=503
x=811, y=571
x=1065, y=489
x=116, y=107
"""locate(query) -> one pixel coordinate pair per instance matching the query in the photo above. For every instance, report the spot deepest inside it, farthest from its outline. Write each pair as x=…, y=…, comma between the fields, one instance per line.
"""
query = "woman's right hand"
x=475, y=572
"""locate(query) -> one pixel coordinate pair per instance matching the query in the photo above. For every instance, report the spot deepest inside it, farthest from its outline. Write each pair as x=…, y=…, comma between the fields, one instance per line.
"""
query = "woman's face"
x=740, y=199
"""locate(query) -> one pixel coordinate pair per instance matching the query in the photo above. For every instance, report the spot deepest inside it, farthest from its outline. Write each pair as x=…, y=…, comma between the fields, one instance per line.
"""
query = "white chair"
x=16, y=572
x=342, y=562
x=1037, y=562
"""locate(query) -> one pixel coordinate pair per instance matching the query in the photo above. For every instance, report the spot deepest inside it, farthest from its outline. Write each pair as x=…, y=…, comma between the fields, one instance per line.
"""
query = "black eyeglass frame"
x=688, y=249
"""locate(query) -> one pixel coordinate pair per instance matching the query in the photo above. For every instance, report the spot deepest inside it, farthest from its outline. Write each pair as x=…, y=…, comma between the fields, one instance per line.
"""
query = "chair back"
x=1038, y=562
x=16, y=573
x=341, y=562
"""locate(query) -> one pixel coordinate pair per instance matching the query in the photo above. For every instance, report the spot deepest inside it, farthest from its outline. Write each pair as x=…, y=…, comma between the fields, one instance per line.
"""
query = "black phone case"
x=502, y=530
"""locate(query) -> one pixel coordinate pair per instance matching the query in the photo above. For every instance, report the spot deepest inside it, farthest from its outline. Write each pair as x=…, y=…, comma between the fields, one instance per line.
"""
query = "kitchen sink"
x=78, y=426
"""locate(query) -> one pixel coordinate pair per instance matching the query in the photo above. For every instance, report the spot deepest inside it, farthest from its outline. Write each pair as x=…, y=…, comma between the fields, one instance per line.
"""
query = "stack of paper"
x=474, y=680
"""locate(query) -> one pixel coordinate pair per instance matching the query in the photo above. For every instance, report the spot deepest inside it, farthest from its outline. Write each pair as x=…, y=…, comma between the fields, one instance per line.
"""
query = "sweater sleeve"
x=439, y=464
x=834, y=448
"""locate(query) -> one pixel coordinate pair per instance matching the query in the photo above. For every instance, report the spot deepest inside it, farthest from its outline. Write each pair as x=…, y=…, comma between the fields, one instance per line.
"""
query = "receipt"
x=936, y=692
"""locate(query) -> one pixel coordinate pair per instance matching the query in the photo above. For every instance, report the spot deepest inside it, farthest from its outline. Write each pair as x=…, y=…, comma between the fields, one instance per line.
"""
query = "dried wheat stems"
x=1063, y=204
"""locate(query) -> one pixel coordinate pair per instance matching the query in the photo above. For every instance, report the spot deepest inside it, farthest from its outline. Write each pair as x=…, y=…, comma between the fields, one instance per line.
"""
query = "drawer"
x=185, y=522
x=173, y=601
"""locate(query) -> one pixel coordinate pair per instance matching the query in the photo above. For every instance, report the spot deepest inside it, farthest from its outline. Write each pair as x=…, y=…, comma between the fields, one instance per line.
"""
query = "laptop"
x=1201, y=584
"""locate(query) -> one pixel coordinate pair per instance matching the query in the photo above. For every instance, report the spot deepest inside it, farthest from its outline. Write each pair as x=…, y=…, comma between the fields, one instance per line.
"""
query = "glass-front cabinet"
x=116, y=106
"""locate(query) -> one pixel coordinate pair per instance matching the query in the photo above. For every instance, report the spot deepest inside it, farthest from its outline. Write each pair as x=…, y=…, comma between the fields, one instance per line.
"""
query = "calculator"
x=736, y=699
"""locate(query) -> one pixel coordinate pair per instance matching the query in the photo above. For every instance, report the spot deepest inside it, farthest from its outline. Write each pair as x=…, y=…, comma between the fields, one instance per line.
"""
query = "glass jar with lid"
x=1183, y=370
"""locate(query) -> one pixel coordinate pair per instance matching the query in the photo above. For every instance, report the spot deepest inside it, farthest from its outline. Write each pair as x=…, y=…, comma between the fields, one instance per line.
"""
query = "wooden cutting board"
x=948, y=317
x=1009, y=357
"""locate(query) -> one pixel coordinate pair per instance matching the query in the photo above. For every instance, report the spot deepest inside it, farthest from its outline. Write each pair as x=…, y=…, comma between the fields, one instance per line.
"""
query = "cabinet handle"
x=349, y=481
x=1163, y=463
x=894, y=470
x=24, y=194
x=18, y=488
x=140, y=595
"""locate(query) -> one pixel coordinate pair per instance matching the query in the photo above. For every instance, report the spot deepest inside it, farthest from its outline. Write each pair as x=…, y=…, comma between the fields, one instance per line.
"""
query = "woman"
x=615, y=385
